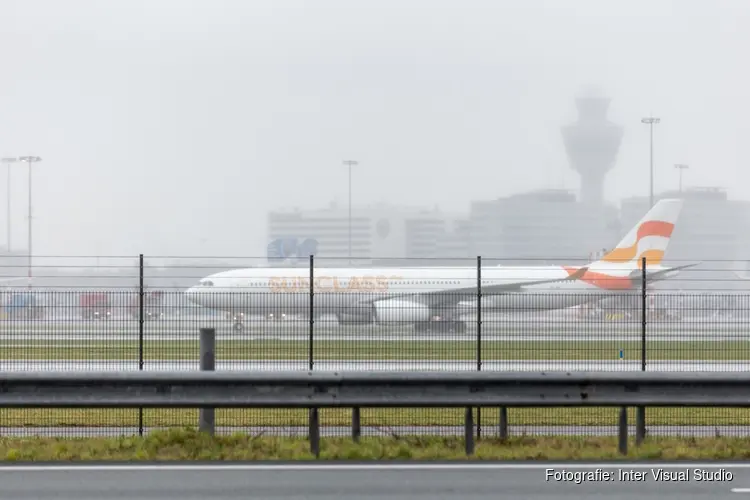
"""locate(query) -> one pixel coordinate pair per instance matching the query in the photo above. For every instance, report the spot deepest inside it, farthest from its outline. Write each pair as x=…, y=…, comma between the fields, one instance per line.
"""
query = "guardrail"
x=313, y=390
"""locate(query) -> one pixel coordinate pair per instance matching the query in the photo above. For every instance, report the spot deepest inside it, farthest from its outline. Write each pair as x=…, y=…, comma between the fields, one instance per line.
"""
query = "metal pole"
x=681, y=167
x=479, y=313
x=622, y=434
x=30, y=160
x=313, y=414
x=640, y=415
x=349, y=164
x=7, y=238
x=207, y=419
x=479, y=336
x=140, y=333
x=350, y=215
x=651, y=166
x=9, y=223
x=650, y=121
x=310, y=352
x=31, y=251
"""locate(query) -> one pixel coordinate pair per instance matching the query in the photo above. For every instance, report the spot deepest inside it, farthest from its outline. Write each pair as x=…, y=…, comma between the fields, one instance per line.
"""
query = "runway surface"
x=385, y=365
x=530, y=331
x=24, y=338
x=481, y=481
x=390, y=431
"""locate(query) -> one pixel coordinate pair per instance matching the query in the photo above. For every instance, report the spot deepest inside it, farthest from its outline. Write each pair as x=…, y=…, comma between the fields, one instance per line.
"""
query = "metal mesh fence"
x=129, y=313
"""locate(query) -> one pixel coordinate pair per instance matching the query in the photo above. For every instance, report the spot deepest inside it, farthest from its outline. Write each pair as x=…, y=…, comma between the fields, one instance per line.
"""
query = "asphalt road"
x=681, y=431
x=370, y=481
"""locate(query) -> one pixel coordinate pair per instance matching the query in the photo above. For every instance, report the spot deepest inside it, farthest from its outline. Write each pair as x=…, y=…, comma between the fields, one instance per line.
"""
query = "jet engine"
x=400, y=311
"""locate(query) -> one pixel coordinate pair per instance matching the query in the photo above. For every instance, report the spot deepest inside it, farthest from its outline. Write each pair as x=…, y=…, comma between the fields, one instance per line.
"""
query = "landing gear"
x=237, y=321
x=440, y=326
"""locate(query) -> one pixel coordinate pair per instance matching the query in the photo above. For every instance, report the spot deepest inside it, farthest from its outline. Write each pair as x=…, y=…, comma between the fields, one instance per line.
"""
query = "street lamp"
x=8, y=161
x=681, y=167
x=30, y=160
x=350, y=164
x=650, y=121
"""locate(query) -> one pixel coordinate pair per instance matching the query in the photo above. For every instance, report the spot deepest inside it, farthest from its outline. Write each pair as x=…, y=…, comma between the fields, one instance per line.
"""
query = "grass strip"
x=181, y=444
x=378, y=350
x=375, y=417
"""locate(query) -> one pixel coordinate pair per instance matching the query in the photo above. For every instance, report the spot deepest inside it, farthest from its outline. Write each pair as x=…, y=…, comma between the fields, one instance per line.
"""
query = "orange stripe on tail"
x=655, y=228
x=648, y=228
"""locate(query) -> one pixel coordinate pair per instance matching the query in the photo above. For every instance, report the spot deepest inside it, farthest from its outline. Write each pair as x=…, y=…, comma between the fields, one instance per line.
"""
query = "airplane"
x=427, y=298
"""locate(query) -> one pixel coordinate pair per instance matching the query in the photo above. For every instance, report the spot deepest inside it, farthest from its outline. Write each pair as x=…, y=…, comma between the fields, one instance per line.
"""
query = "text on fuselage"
x=331, y=284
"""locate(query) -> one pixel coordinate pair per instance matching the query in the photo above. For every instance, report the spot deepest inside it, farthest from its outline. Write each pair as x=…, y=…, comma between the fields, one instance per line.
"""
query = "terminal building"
x=381, y=235
x=540, y=227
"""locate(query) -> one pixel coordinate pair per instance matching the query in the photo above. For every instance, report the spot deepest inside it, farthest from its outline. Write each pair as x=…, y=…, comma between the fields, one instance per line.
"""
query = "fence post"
x=140, y=333
x=207, y=419
x=640, y=415
x=314, y=413
x=479, y=336
x=310, y=359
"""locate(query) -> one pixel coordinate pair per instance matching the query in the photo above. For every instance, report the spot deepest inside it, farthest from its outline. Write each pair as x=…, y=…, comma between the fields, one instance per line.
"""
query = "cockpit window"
x=207, y=283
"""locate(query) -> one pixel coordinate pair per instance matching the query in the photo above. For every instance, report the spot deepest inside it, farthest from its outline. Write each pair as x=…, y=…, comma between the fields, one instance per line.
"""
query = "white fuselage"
x=344, y=290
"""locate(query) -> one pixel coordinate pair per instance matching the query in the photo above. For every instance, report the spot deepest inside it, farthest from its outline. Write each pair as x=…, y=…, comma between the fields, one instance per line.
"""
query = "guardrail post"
x=356, y=424
x=315, y=432
x=207, y=418
x=503, y=430
x=622, y=433
x=469, y=430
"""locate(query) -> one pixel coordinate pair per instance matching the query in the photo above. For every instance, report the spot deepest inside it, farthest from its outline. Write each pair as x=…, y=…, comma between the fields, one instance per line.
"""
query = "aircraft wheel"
x=238, y=327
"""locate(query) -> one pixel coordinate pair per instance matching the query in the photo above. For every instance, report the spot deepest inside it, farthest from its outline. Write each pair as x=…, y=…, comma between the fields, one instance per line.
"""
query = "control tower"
x=592, y=144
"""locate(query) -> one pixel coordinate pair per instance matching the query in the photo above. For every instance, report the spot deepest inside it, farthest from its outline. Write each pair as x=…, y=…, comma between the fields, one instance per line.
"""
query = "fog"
x=171, y=127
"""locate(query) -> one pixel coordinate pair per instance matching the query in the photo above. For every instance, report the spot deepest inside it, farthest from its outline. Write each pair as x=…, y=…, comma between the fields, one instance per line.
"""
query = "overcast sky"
x=171, y=127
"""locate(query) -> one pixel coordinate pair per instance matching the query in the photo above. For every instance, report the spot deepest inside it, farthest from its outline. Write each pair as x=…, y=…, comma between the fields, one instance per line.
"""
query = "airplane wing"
x=457, y=294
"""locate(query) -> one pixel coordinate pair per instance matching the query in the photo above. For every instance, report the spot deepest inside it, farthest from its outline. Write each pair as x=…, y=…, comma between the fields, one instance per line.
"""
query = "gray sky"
x=170, y=127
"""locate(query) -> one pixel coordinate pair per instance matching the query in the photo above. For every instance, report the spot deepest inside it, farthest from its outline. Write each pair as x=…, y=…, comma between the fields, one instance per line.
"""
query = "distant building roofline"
x=694, y=192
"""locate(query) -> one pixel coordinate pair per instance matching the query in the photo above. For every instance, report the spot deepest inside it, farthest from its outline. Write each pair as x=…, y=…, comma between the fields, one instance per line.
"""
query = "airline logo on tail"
x=650, y=241
x=649, y=238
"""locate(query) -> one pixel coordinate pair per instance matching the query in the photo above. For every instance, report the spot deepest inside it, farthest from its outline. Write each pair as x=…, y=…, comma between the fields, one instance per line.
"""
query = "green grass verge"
x=374, y=350
x=377, y=417
x=191, y=445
